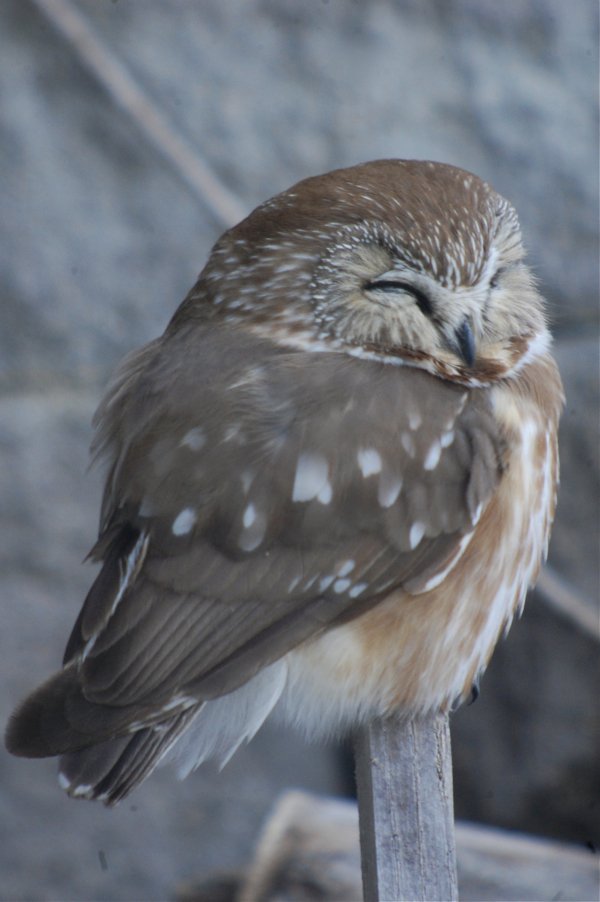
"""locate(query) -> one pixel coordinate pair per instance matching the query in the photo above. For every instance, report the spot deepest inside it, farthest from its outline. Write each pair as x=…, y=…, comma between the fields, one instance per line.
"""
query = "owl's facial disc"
x=460, y=339
x=424, y=271
x=365, y=294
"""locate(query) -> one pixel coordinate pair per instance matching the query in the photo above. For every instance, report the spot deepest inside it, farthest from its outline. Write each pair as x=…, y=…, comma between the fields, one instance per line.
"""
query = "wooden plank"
x=312, y=841
x=406, y=810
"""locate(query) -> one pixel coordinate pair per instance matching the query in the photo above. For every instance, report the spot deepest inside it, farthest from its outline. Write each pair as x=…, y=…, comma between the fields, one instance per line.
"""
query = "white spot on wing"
x=325, y=494
x=340, y=585
x=432, y=458
x=346, y=568
x=325, y=582
x=311, y=479
x=369, y=461
x=194, y=439
x=249, y=516
x=357, y=589
x=408, y=444
x=184, y=521
x=414, y=419
x=417, y=531
x=389, y=488
x=293, y=583
x=255, y=524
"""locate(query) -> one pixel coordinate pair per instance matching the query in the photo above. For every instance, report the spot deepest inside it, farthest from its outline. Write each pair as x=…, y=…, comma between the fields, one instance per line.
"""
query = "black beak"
x=465, y=343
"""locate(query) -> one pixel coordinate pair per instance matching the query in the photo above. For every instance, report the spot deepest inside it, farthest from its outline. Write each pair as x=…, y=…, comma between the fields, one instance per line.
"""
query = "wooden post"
x=406, y=810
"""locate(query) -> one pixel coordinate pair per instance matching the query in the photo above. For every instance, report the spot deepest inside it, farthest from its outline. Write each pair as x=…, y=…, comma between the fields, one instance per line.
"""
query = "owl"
x=329, y=484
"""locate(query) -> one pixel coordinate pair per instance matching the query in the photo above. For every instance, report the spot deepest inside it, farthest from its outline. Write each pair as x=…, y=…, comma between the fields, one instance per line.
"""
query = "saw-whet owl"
x=329, y=484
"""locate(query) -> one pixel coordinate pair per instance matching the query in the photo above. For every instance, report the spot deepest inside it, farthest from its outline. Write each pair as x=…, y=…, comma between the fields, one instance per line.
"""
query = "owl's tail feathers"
x=57, y=718
x=104, y=756
x=109, y=771
x=214, y=730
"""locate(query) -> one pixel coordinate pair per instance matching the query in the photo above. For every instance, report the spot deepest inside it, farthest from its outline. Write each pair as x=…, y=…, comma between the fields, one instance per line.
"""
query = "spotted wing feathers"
x=245, y=513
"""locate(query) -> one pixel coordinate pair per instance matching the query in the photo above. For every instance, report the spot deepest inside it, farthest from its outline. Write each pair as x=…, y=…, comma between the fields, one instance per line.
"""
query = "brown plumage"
x=329, y=484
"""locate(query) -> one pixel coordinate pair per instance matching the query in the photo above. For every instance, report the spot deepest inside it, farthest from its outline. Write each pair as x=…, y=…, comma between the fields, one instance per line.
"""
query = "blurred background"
x=132, y=133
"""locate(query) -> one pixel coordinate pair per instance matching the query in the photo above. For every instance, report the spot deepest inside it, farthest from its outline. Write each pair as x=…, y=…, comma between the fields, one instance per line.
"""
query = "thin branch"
x=101, y=62
x=561, y=595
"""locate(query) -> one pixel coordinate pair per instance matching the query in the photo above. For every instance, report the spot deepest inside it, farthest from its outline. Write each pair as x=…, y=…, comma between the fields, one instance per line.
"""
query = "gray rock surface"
x=99, y=240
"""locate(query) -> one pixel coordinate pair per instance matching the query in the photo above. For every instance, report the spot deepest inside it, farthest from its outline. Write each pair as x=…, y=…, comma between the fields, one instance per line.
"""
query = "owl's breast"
x=424, y=651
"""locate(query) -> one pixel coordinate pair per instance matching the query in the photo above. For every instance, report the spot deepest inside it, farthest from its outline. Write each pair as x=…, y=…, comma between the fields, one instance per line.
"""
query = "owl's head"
x=404, y=261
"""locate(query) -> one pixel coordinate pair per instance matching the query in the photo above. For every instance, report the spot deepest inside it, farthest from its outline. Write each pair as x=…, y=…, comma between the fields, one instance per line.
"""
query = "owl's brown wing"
x=257, y=496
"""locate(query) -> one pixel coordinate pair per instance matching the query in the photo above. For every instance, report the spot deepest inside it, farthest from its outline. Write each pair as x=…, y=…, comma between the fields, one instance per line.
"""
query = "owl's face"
x=398, y=261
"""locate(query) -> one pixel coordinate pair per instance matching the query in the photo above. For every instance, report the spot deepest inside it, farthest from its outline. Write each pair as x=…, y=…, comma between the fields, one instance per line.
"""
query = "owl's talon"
x=474, y=693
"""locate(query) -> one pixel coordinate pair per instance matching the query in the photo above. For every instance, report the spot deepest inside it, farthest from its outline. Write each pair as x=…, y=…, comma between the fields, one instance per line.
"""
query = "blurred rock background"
x=100, y=237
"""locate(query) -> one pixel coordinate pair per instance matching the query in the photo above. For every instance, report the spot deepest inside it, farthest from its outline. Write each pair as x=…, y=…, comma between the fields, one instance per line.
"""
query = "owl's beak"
x=465, y=343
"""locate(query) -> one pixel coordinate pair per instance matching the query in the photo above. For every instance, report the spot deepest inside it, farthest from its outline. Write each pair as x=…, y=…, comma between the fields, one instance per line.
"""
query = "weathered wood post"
x=406, y=810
